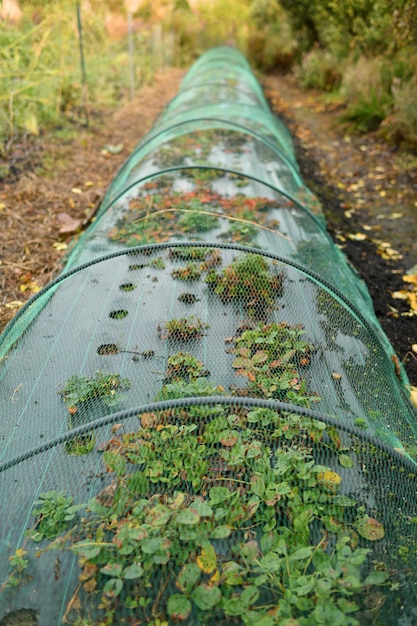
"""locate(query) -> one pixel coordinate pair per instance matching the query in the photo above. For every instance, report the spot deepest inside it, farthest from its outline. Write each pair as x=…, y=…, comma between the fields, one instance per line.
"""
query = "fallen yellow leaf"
x=400, y=295
x=357, y=236
x=410, y=278
x=413, y=395
x=60, y=245
x=14, y=304
x=30, y=286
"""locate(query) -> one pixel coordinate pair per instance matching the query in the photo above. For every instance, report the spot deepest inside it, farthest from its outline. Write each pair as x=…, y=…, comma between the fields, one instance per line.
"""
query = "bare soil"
x=360, y=181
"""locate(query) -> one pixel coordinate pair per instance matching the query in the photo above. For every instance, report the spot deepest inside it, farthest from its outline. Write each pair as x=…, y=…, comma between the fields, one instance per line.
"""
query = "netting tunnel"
x=201, y=419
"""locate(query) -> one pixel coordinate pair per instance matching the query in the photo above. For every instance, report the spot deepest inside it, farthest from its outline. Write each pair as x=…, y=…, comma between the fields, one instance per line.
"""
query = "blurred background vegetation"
x=60, y=59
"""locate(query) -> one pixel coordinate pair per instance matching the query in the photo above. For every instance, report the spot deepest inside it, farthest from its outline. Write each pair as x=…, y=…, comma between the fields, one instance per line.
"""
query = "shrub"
x=403, y=122
x=319, y=69
x=366, y=94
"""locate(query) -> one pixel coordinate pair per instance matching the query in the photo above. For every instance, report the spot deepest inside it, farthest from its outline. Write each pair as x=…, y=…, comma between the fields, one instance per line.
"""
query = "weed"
x=185, y=328
x=79, y=390
x=248, y=280
x=54, y=512
x=84, y=444
x=271, y=357
x=189, y=273
x=233, y=530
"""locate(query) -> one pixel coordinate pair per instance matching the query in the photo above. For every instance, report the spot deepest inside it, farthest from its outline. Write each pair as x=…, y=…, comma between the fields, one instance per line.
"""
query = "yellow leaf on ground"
x=60, y=245
x=413, y=395
x=14, y=304
x=32, y=286
x=400, y=295
x=357, y=236
x=410, y=278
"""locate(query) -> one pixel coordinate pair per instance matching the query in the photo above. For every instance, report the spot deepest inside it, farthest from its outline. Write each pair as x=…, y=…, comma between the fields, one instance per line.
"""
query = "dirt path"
x=368, y=198
x=370, y=203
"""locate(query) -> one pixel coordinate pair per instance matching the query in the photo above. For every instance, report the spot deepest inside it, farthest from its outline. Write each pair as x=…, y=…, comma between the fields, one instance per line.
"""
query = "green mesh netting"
x=201, y=418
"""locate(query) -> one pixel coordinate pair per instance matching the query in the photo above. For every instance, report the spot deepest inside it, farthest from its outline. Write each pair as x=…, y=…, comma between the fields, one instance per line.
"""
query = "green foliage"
x=185, y=328
x=249, y=280
x=18, y=564
x=188, y=273
x=271, y=357
x=184, y=366
x=54, y=512
x=104, y=387
x=234, y=528
x=366, y=94
x=403, y=121
x=319, y=69
x=271, y=44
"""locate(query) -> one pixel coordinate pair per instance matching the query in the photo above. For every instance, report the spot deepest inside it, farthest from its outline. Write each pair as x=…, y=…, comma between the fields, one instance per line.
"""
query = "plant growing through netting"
x=243, y=524
x=271, y=357
x=81, y=391
x=155, y=217
x=184, y=329
x=248, y=280
x=188, y=273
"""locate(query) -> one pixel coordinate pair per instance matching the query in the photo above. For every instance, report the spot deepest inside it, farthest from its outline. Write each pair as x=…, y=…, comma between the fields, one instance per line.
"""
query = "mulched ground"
x=363, y=189
x=50, y=177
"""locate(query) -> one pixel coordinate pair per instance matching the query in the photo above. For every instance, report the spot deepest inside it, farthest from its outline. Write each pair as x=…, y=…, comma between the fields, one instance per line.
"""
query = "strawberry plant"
x=81, y=391
x=271, y=357
x=184, y=329
x=221, y=520
x=217, y=513
x=248, y=280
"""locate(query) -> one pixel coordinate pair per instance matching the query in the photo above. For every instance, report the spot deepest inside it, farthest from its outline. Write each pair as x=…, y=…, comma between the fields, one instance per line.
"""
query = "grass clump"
x=320, y=69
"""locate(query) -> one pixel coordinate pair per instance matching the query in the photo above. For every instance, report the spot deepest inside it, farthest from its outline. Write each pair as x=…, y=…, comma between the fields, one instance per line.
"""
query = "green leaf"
x=206, y=597
x=249, y=595
x=271, y=562
x=115, y=462
x=301, y=554
x=113, y=587
x=343, y=501
x=260, y=356
x=221, y=532
x=133, y=571
x=369, y=528
x=152, y=545
x=188, y=577
x=188, y=517
x=202, y=508
x=112, y=569
x=179, y=607
x=254, y=618
x=219, y=494
x=258, y=486
x=347, y=606
x=87, y=550
x=207, y=560
x=249, y=550
x=345, y=460
x=375, y=578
